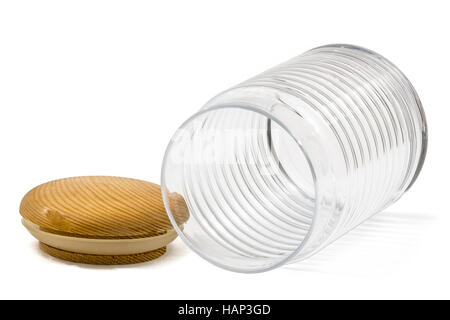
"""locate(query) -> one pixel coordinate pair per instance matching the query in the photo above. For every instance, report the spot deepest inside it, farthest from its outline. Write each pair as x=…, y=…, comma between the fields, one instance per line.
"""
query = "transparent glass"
x=277, y=167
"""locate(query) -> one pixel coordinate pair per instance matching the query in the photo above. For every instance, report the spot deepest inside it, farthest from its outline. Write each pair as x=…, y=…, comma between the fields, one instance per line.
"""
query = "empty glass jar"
x=277, y=167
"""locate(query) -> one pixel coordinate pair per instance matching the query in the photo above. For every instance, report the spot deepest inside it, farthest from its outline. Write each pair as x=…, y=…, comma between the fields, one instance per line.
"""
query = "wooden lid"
x=101, y=207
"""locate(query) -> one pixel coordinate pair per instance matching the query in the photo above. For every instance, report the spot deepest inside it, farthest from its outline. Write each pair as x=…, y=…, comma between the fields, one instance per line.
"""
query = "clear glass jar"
x=277, y=167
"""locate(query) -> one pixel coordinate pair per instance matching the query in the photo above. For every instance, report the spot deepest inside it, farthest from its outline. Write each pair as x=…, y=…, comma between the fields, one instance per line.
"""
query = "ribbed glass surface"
x=279, y=166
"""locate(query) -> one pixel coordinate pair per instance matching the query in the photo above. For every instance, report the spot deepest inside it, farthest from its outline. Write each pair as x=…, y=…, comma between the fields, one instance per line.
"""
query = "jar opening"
x=248, y=185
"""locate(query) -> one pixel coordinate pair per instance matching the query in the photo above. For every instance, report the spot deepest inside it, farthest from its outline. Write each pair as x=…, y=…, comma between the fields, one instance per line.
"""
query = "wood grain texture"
x=101, y=207
x=102, y=259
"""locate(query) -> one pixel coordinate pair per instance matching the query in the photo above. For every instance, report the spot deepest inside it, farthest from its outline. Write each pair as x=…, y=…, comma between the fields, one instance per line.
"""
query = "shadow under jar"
x=279, y=166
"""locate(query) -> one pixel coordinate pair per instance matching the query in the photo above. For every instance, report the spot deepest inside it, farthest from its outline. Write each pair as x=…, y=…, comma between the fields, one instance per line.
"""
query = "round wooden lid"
x=101, y=207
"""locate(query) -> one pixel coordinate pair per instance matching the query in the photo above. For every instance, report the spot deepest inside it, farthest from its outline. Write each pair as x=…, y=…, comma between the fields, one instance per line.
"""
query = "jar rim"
x=256, y=109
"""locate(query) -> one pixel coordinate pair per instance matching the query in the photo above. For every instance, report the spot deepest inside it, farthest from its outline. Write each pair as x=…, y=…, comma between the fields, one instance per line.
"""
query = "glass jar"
x=277, y=167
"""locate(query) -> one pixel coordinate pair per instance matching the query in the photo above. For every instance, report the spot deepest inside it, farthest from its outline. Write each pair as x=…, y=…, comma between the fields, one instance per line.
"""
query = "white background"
x=98, y=88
